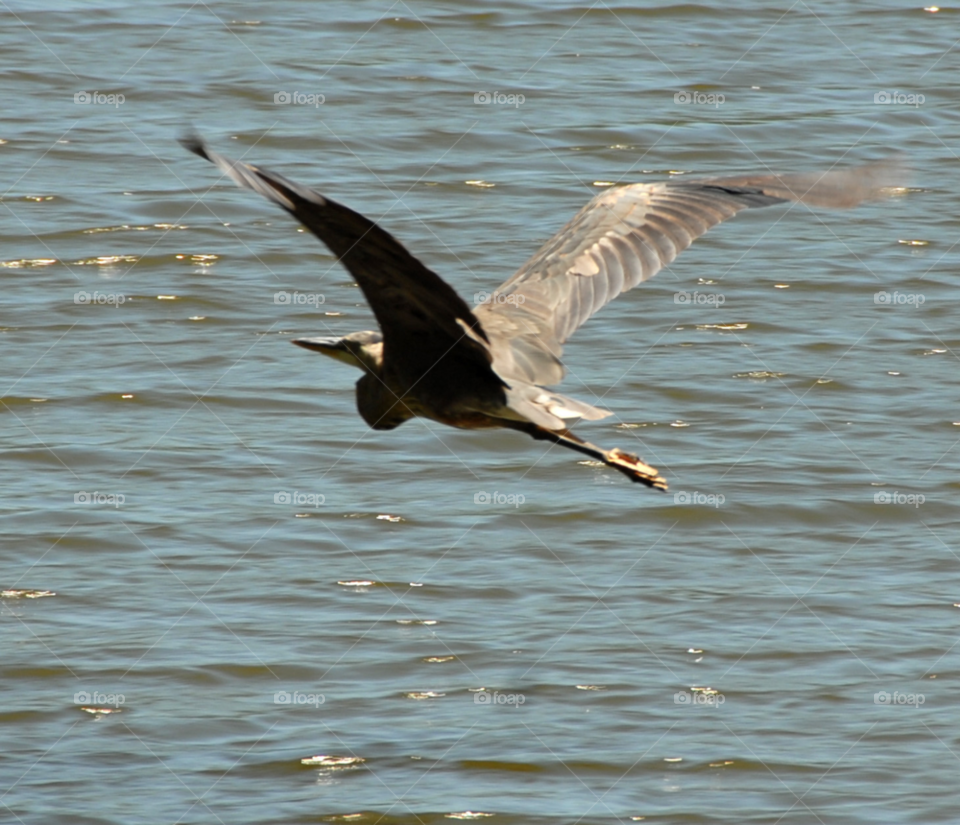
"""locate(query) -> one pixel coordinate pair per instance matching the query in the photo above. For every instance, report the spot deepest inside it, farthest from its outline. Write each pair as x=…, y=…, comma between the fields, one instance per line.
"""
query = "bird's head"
x=363, y=350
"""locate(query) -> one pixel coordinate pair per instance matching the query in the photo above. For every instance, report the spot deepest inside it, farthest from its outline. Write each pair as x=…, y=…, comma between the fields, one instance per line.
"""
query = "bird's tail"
x=548, y=409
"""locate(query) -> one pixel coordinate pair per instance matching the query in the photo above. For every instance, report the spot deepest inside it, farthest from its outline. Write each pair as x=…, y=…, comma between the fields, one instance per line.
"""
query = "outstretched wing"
x=418, y=312
x=626, y=235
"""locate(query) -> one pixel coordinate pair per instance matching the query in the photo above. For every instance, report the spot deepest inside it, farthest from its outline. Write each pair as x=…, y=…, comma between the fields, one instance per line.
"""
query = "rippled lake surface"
x=226, y=600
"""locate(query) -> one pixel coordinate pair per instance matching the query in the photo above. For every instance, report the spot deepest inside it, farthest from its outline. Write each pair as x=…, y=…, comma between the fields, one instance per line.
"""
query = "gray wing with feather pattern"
x=624, y=236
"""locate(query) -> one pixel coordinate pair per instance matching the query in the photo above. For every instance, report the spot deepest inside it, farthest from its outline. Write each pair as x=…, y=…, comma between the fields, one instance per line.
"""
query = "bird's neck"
x=380, y=403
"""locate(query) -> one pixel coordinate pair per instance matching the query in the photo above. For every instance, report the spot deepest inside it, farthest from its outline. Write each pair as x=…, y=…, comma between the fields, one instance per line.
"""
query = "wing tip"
x=834, y=189
x=192, y=142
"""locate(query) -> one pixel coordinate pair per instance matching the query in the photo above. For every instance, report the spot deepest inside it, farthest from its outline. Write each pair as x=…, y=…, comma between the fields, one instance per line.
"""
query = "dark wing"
x=626, y=235
x=418, y=312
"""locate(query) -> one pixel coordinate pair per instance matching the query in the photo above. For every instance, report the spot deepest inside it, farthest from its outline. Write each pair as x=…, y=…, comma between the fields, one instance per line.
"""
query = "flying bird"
x=493, y=365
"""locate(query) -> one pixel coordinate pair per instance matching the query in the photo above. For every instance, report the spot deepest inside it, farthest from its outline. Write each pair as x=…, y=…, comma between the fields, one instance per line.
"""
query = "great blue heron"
x=491, y=365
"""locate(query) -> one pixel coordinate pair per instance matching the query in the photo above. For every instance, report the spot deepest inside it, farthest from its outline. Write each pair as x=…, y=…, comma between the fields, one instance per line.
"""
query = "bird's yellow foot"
x=635, y=469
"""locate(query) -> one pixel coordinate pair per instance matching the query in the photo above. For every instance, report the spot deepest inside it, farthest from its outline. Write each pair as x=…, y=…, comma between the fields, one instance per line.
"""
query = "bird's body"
x=491, y=366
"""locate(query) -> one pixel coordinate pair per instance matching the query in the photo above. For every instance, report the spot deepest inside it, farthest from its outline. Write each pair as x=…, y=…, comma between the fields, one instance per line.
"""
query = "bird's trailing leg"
x=627, y=463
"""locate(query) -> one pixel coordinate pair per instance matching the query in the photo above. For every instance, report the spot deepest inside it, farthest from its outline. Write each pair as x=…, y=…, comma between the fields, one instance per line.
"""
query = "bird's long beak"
x=328, y=346
x=332, y=347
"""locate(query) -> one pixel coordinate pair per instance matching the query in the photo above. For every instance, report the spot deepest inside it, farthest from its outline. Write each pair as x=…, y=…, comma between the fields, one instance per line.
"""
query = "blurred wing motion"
x=623, y=237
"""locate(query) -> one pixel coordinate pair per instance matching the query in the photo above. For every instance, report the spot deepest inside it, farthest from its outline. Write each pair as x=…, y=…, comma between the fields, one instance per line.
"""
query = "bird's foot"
x=634, y=468
x=626, y=463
